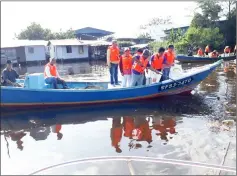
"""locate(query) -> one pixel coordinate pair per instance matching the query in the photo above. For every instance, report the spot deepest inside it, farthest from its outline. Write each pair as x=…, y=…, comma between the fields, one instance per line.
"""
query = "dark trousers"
x=113, y=73
x=165, y=74
x=54, y=81
x=144, y=79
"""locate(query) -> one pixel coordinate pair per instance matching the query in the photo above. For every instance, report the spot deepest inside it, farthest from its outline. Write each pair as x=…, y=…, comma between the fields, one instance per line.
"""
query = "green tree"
x=210, y=12
x=151, y=27
x=36, y=32
x=144, y=35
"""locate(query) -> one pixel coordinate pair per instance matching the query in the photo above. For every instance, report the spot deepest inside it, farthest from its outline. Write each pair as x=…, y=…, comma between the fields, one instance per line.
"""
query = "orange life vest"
x=140, y=68
x=127, y=62
x=157, y=62
x=52, y=69
x=114, y=54
x=200, y=53
x=128, y=126
x=207, y=49
x=170, y=57
x=227, y=50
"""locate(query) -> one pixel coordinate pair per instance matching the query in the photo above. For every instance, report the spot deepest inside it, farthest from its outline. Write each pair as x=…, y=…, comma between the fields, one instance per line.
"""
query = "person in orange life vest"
x=214, y=54
x=157, y=59
x=158, y=124
x=169, y=57
x=139, y=65
x=200, y=52
x=125, y=66
x=116, y=134
x=227, y=51
x=56, y=129
x=170, y=124
x=128, y=126
x=113, y=61
x=143, y=131
x=51, y=75
x=207, y=50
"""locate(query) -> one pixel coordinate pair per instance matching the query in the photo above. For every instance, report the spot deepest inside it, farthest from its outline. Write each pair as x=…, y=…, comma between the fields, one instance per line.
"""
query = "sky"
x=123, y=18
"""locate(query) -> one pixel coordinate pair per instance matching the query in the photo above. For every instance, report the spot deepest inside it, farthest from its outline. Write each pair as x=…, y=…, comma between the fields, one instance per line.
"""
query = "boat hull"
x=192, y=59
x=22, y=97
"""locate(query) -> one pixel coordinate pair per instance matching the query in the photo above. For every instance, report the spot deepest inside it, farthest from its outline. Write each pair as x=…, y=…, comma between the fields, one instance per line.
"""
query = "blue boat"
x=191, y=59
x=36, y=93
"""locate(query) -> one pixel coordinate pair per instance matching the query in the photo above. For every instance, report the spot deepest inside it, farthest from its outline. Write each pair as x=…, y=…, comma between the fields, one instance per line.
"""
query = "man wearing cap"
x=9, y=76
x=139, y=66
x=113, y=61
x=51, y=75
x=125, y=66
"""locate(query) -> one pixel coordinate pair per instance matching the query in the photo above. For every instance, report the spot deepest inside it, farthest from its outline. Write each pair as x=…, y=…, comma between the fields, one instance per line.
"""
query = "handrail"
x=144, y=159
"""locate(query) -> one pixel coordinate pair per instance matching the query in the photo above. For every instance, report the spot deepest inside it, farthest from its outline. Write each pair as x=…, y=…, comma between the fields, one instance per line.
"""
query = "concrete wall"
x=61, y=52
x=20, y=52
x=38, y=54
x=8, y=53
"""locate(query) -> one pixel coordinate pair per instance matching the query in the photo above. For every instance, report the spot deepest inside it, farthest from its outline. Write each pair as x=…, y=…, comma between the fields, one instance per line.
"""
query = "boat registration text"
x=176, y=84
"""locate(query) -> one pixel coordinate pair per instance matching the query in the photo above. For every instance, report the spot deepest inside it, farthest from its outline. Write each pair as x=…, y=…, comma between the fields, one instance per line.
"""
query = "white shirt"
x=48, y=74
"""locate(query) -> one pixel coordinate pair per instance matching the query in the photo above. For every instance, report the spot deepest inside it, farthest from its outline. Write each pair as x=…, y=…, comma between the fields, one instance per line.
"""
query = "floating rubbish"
x=228, y=122
x=209, y=85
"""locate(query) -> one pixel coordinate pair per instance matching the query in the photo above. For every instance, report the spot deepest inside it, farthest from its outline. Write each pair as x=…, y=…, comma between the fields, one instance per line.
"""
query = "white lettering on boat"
x=175, y=84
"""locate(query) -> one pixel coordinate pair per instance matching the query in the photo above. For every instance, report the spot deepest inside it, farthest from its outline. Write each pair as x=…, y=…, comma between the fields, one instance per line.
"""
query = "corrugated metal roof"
x=17, y=43
x=93, y=31
x=77, y=42
x=65, y=42
x=139, y=46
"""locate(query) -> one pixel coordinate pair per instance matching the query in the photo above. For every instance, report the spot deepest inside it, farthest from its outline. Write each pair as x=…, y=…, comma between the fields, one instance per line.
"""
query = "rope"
x=223, y=160
x=132, y=158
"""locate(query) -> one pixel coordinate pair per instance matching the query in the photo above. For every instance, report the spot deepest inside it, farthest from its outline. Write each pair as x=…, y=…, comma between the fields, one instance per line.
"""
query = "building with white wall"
x=68, y=49
x=23, y=51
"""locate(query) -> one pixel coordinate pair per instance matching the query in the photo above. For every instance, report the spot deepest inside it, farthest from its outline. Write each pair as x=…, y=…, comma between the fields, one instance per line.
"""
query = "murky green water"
x=177, y=127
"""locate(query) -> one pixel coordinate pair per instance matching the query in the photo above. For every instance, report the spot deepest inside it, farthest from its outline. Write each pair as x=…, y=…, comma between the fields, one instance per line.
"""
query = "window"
x=30, y=50
x=81, y=49
x=69, y=49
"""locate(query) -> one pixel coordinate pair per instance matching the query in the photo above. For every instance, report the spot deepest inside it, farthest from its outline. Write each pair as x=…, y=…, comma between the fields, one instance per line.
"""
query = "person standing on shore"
x=112, y=62
x=125, y=66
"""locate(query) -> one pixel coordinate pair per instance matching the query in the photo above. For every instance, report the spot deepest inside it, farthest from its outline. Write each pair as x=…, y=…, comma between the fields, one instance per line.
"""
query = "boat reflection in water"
x=134, y=121
x=127, y=129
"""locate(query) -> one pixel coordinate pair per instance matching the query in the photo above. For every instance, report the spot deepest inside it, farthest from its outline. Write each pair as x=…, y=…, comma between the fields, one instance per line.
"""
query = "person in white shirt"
x=51, y=75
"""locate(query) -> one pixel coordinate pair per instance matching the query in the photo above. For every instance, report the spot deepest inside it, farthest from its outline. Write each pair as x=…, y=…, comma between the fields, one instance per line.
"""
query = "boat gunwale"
x=202, y=69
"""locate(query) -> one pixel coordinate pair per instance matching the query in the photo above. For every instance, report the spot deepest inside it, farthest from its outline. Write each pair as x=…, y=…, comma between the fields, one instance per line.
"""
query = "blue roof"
x=93, y=32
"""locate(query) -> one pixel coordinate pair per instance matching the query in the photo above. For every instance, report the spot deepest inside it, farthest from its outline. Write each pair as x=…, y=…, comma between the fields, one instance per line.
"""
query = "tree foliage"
x=36, y=32
x=150, y=29
x=144, y=35
x=210, y=12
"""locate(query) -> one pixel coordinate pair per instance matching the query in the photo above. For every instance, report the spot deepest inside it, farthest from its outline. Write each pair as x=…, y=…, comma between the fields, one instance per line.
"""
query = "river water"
x=178, y=127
